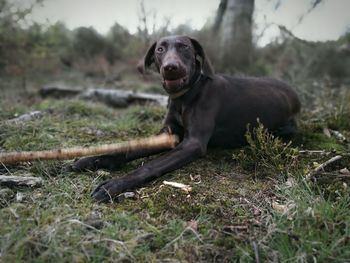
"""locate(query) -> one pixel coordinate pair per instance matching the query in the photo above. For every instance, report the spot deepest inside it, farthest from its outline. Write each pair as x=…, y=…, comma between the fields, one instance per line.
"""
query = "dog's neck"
x=193, y=83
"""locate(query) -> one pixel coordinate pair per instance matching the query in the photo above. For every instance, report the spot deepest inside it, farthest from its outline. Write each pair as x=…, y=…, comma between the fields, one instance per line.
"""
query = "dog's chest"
x=178, y=119
x=178, y=114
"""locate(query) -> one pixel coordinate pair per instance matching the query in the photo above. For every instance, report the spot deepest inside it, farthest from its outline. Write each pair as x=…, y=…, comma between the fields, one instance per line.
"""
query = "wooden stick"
x=184, y=187
x=162, y=141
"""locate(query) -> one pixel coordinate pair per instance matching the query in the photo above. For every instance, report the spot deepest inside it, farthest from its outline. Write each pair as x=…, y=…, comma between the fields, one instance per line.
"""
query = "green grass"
x=231, y=201
x=315, y=228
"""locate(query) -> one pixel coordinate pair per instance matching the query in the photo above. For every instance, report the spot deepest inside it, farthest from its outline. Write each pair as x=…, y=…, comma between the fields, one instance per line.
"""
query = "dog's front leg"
x=110, y=161
x=187, y=151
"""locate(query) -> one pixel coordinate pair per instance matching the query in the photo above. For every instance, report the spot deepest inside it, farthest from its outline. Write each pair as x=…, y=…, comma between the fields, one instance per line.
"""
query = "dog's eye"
x=182, y=46
x=160, y=50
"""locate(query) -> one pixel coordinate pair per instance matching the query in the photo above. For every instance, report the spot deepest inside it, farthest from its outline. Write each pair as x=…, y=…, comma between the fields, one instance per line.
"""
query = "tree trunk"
x=236, y=35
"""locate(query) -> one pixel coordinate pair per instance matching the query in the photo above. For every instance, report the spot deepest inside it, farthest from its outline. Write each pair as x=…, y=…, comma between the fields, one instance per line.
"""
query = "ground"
x=250, y=204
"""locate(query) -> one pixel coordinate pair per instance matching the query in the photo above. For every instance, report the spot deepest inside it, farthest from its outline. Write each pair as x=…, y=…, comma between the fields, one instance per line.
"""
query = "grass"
x=228, y=217
x=315, y=228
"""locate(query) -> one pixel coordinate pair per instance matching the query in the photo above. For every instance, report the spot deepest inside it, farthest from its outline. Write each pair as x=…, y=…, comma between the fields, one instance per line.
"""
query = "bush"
x=266, y=153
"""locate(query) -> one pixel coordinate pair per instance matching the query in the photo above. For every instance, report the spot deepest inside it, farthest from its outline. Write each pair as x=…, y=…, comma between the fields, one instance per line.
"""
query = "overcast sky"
x=327, y=21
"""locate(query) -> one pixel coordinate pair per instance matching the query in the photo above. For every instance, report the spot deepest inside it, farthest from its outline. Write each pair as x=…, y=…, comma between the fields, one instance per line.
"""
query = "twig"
x=184, y=187
x=322, y=166
x=256, y=252
x=333, y=176
x=313, y=6
x=322, y=152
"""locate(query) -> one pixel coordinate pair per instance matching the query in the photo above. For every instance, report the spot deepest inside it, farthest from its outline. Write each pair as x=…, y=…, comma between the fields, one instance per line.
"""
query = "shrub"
x=265, y=152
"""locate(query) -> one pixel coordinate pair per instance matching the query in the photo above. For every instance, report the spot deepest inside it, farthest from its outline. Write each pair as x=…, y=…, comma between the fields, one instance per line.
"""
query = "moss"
x=230, y=202
x=310, y=140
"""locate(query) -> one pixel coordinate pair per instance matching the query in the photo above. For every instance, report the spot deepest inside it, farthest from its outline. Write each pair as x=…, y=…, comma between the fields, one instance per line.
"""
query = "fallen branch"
x=20, y=180
x=123, y=98
x=163, y=141
x=58, y=91
x=114, y=97
x=28, y=117
x=323, y=165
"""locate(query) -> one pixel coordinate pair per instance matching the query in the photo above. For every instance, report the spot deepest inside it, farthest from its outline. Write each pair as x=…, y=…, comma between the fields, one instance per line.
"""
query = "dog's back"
x=243, y=100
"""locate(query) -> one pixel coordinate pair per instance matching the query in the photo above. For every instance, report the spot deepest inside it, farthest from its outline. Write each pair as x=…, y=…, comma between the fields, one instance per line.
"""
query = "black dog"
x=204, y=109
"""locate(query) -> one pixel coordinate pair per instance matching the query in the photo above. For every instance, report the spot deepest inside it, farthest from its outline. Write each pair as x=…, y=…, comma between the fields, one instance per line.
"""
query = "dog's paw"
x=84, y=164
x=108, y=190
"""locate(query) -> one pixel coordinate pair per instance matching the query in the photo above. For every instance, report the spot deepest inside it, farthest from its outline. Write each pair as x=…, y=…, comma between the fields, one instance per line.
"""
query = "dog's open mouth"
x=174, y=85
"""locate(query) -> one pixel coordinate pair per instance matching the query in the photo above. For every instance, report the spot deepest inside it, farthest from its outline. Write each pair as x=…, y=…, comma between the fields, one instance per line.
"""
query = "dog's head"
x=178, y=59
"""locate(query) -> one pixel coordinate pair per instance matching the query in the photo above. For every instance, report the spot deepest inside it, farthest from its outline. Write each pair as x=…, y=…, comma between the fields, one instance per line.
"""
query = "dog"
x=205, y=109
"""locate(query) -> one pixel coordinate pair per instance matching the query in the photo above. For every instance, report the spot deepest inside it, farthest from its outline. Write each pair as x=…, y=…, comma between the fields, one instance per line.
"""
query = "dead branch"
x=313, y=6
x=323, y=165
x=123, y=98
x=58, y=91
x=284, y=30
x=20, y=180
x=163, y=141
x=28, y=117
x=113, y=97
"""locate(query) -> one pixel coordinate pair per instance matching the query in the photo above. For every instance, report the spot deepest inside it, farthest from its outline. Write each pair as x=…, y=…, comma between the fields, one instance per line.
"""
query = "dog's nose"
x=171, y=67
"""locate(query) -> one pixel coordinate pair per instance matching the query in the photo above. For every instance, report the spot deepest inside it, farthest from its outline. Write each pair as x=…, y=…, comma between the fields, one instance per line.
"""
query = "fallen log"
x=58, y=91
x=20, y=180
x=123, y=98
x=118, y=98
x=33, y=115
x=162, y=141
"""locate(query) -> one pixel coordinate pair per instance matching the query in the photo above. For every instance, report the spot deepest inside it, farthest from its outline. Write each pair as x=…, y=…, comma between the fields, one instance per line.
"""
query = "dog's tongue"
x=172, y=84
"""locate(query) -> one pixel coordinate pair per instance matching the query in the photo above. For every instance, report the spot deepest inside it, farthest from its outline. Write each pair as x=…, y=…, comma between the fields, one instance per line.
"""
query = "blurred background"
x=98, y=43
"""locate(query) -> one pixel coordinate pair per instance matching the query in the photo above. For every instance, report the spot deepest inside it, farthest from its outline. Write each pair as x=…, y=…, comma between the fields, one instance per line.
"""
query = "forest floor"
x=254, y=204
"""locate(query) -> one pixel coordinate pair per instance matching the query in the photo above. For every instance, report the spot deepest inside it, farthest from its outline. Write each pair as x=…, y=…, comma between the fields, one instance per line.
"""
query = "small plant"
x=265, y=152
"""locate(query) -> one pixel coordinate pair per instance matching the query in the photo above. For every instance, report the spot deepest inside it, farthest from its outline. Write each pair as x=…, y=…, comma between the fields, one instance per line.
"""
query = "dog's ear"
x=207, y=68
x=148, y=59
